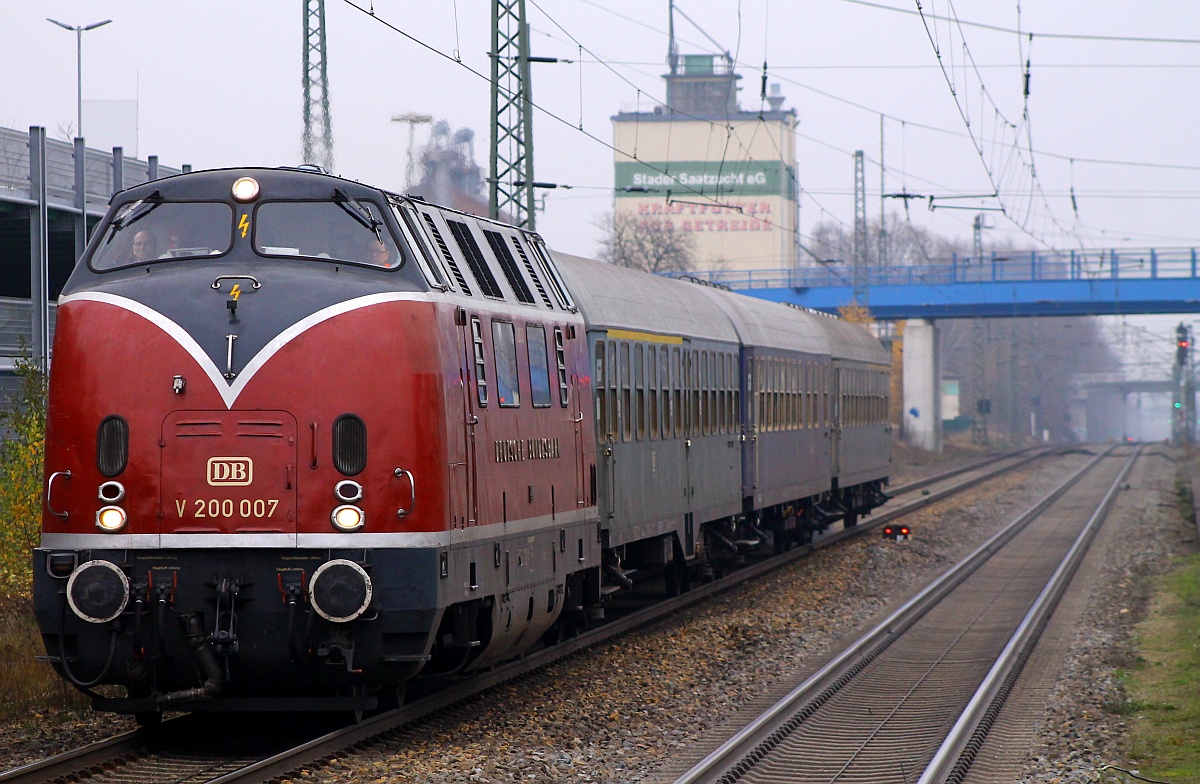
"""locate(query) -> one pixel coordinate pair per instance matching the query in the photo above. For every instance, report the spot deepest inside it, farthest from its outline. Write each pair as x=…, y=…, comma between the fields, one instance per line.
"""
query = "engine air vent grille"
x=112, y=446
x=349, y=444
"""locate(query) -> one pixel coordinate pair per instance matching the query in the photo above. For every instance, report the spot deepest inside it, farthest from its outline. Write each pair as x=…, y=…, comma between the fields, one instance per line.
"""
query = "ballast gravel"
x=645, y=707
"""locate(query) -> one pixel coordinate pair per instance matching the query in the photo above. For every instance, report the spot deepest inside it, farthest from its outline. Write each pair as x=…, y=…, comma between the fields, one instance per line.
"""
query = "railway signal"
x=896, y=532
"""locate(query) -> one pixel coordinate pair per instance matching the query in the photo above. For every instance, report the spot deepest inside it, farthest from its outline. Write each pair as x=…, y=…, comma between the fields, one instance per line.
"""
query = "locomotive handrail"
x=50, y=487
x=412, y=498
x=216, y=284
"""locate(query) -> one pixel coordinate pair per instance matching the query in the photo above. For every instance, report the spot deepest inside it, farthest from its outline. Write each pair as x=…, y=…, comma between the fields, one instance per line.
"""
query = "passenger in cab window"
x=145, y=246
x=379, y=253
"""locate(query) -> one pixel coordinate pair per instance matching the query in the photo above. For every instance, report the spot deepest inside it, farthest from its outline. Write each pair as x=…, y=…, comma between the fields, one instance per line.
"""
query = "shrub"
x=22, y=446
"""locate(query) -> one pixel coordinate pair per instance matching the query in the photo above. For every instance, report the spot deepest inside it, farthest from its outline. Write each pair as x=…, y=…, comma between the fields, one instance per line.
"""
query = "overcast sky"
x=1115, y=121
x=219, y=84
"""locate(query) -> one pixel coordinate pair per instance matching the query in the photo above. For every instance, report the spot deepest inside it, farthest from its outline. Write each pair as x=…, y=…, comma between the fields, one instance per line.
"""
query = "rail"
x=757, y=740
x=126, y=757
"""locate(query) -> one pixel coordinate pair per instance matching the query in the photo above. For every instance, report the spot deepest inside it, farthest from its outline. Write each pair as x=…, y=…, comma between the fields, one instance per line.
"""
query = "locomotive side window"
x=539, y=367
x=543, y=258
x=410, y=228
x=529, y=268
x=560, y=359
x=340, y=229
x=480, y=361
x=504, y=343
x=150, y=230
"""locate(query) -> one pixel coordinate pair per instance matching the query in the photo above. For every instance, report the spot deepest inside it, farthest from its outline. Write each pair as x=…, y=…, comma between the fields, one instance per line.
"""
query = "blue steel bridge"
x=1058, y=283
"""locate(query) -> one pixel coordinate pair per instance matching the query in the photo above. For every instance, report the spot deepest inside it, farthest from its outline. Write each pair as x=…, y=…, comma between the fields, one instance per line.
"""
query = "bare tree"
x=654, y=247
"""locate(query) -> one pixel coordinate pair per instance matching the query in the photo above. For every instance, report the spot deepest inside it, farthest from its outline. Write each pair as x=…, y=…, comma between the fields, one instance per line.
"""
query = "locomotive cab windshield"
x=339, y=228
x=152, y=229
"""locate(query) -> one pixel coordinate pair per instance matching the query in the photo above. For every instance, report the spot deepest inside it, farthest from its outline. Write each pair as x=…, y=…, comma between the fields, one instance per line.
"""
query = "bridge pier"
x=922, y=385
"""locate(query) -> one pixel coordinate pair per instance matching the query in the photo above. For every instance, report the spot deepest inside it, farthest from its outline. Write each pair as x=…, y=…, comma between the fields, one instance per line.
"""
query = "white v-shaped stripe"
x=229, y=391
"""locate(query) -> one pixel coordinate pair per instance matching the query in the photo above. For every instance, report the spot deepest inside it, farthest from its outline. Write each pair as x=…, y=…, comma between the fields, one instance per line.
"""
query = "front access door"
x=228, y=472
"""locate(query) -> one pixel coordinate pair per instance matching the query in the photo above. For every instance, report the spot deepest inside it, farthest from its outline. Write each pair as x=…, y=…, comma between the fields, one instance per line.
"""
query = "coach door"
x=572, y=397
x=473, y=384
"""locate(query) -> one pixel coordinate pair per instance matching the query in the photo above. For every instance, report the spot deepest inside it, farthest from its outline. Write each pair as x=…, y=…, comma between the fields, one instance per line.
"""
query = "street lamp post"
x=79, y=31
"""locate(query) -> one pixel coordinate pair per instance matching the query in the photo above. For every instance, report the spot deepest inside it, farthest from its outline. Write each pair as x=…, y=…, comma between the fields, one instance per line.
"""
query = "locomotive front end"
x=247, y=380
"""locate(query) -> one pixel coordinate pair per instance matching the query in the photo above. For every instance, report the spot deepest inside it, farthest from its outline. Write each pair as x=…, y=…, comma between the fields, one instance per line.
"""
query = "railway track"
x=201, y=749
x=913, y=699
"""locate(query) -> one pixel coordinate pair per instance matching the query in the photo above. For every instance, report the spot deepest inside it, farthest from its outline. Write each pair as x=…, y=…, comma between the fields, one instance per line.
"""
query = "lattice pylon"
x=317, y=136
x=510, y=174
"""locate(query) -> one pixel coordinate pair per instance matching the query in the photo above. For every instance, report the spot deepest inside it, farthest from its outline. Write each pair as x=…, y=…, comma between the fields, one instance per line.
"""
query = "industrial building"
x=702, y=165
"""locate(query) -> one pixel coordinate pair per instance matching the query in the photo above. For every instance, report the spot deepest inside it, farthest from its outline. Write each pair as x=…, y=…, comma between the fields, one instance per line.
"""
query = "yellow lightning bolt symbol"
x=236, y=291
x=244, y=224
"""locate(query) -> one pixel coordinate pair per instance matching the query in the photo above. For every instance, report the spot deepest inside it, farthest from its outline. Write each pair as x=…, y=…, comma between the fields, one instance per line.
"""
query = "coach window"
x=710, y=417
x=664, y=375
x=722, y=422
x=626, y=395
x=652, y=389
x=639, y=378
x=704, y=385
x=560, y=360
x=480, y=361
x=824, y=380
x=792, y=396
x=736, y=411
x=614, y=404
x=504, y=344
x=539, y=368
x=601, y=394
x=676, y=387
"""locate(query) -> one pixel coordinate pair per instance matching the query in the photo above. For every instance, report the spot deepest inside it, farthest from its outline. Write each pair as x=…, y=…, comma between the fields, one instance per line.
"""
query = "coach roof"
x=612, y=297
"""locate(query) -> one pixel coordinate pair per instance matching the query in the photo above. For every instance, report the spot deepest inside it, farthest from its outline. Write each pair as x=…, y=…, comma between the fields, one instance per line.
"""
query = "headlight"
x=340, y=590
x=98, y=591
x=348, y=518
x=111, y=518
x=245, y=189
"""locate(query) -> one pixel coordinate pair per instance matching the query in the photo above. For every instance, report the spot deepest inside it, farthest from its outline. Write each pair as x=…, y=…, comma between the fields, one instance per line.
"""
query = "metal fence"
x=15, y=329
x=1150, y=263
x=60, y=171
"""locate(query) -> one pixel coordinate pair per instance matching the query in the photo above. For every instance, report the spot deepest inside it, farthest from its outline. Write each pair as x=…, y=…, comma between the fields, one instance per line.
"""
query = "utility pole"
x=317, y=136
x=860, y=231
x=510, y=174
x=1183, y=404
x=883, y=249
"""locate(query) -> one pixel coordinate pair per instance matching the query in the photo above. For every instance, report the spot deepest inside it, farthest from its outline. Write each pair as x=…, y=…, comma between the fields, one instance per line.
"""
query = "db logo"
x=230, y=471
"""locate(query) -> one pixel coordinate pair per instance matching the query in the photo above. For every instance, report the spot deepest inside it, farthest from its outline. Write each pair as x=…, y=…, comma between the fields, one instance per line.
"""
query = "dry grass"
x=1165, y=689
x=29, y=687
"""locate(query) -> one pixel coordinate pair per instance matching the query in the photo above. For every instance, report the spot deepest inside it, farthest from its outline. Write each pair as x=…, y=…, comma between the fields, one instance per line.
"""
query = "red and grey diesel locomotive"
x=308, y=440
